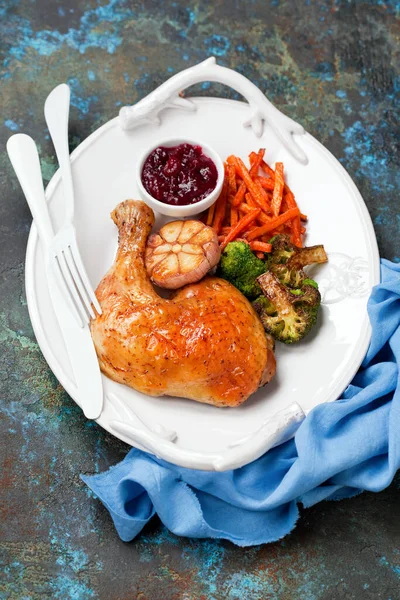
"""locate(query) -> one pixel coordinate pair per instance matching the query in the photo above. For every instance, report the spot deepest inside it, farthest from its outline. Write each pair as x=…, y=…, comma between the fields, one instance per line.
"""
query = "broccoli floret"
x=307, y=256
x=282, y=250
x=286, y=300
x=288, y=315
x=293, y=278
x=310, y=282
x=241, y=267
x=286, y=261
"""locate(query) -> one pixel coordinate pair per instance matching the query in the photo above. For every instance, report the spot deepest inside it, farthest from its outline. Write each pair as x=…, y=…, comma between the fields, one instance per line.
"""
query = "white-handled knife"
x=25, y=159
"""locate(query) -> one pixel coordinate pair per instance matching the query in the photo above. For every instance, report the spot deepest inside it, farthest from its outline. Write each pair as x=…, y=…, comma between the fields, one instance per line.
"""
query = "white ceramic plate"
x=315, y=371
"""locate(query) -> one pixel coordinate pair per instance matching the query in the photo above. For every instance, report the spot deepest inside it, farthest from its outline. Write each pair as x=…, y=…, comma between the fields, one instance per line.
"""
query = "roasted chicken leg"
x=205, y=343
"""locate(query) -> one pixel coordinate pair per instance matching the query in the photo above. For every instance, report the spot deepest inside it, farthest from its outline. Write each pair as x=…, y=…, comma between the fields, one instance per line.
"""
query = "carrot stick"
x=266, y=182
x=234, y=216
x=260, y=246
x=210, y=214
x=265, y=238
x=303, y=217
x=250, y=230
x=245, y=208
x=260, y=254
x=291, y=202
x=231, y=182
x=296, y=235
x=255, y=161
x=273, y=224
x=255, y=165
x=278, y=189
x=267, y=169
x=259, y=195
x=261, y=217
x=239, y=194
x=250, y=200
x=280, y=229
x=252, y=158
x=220, y=208
x=240, y=226
x=222, y=237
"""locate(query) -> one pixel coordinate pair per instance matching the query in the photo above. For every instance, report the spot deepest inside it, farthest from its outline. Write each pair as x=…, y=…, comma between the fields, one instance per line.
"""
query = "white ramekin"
x=187, y=210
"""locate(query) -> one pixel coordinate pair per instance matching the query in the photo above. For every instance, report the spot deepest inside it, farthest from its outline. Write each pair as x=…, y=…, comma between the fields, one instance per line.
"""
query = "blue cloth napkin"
x=341, y=449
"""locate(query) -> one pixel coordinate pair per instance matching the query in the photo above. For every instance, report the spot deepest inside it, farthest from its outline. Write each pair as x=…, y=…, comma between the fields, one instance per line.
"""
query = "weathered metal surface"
x=332, y=65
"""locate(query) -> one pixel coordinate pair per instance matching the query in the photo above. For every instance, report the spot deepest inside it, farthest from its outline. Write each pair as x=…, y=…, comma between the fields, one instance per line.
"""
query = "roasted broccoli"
x=287, y=262
x=285, y=253
x=293, y=278
x=282, y=250
x=241, y=267
x=307, y=256
x=285, y=299
x=287, y=314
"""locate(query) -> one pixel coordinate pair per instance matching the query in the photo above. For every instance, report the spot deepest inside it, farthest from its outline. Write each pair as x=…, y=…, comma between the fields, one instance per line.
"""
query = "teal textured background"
x=331, y=65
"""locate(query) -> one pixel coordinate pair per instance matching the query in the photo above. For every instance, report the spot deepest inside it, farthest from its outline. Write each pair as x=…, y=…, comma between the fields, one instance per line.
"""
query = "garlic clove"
x=170, y=231
x=189, y=229
x=203, y=236
x=153, y=259
x=163, y=249
x=192, y=249
x=154, y=240
x=189, y=262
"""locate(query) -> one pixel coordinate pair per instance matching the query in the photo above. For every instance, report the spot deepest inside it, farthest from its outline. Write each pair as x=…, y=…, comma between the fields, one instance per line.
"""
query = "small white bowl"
x=186, y=210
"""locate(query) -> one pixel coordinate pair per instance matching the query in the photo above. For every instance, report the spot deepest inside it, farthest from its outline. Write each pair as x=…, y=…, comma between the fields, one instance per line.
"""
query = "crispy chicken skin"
x=205, y=343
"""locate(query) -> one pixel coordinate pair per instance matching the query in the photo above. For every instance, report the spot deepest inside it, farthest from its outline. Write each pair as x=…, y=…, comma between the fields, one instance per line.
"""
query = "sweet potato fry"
x=267, y=169
x=258, y=193
x=210, y=215
x=244, y=208
x=277, y=195
x=239, y=194
x=296, y=234
x=250, y=200
x=273, y=224
x=266, y=182
x=231, y=182
x=220, y=207
x=240, y=226
x=246, y=193
x=255, y=162
x=234, y=216
x=260, y=246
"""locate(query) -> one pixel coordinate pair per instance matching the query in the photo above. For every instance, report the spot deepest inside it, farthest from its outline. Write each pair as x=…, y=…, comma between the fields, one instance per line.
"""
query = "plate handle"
x=271, y=433
x=261, y=110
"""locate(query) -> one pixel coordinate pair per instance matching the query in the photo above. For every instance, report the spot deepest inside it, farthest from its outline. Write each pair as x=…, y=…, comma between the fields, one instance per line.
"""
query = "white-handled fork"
x=78, y=341
x=67, y=263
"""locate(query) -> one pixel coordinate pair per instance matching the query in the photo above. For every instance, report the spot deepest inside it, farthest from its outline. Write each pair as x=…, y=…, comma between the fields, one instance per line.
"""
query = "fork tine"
x=78, y=282
x=71, y=287
x=55, y=267
x=84, y=276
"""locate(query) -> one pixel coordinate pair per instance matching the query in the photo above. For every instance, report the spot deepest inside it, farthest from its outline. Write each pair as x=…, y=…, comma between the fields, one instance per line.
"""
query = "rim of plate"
x=57, y=369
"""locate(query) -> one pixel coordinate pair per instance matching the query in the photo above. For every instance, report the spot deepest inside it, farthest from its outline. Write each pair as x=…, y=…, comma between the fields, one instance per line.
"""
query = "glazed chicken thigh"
x=205, y=343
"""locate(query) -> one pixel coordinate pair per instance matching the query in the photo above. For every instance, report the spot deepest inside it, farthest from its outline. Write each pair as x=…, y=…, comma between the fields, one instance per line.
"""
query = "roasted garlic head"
x=181, y=252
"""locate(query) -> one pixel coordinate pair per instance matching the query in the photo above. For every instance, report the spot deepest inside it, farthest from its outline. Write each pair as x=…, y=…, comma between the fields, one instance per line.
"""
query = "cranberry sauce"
x=179, y=175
